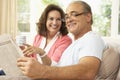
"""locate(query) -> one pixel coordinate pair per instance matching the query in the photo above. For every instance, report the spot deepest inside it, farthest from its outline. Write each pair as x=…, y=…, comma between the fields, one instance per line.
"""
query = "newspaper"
x=9, y=53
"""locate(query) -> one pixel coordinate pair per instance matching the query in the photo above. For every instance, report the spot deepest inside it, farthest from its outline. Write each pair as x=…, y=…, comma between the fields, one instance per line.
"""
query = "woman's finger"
x=26, y=45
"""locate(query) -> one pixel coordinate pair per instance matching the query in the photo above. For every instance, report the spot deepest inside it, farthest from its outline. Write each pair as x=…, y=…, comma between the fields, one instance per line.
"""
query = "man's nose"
x=69, y=19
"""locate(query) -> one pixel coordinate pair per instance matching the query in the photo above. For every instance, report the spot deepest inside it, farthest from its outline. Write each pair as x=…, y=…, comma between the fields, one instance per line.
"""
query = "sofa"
x=110, y=64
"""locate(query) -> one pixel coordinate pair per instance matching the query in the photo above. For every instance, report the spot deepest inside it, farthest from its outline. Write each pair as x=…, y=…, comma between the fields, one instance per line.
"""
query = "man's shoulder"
x=92, y=36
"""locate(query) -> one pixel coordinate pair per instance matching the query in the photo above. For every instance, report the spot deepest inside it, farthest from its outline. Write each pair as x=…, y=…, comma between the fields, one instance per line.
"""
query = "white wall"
x=115, y=18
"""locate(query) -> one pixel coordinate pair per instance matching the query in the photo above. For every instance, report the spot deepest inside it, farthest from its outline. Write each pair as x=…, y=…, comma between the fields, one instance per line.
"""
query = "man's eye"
x=74, y=14
x=66, y=17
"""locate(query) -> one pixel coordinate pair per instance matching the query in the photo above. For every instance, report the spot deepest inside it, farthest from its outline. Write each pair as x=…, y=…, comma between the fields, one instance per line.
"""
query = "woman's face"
x=53, y=22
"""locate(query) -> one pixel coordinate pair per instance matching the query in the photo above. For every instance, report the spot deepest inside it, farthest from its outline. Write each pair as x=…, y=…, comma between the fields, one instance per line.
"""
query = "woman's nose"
x=54, y=21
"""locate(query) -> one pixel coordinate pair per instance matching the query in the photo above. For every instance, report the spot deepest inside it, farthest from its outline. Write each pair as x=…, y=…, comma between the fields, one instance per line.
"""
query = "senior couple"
x=53, y=55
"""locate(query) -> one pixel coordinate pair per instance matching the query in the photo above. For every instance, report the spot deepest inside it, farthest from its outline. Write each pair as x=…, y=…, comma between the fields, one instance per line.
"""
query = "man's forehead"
x=73, y=7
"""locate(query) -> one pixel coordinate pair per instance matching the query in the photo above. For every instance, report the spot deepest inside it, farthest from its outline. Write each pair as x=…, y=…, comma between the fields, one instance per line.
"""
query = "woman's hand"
x=31, y=50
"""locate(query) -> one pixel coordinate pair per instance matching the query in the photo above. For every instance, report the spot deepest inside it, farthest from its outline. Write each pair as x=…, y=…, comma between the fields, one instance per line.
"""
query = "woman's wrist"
x=42, y=53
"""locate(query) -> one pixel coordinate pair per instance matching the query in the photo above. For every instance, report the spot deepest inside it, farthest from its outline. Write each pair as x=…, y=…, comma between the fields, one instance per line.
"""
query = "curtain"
x=8, y=23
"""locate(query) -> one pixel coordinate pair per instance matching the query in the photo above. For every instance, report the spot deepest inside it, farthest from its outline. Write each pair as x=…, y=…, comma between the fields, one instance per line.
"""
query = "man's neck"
x=77, y=36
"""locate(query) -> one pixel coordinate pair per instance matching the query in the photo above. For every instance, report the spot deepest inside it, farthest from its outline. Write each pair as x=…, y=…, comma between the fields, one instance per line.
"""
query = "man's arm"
x=85, y=70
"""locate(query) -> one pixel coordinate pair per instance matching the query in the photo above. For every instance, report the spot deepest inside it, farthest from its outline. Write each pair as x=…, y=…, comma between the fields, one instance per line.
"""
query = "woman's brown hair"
x=42, y=29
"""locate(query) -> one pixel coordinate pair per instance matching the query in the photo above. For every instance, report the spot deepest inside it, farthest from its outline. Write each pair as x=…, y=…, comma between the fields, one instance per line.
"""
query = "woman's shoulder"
x=64, y=38
x=37, y=37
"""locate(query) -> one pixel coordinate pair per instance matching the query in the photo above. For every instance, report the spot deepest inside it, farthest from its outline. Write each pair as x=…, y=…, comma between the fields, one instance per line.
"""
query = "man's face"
x=76, y=19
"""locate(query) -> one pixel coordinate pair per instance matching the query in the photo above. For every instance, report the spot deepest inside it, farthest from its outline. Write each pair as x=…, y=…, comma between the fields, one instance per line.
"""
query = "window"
x=28, y=13
x=23, y=15
x=104, y=16
x=115, y=23
x=119, y=18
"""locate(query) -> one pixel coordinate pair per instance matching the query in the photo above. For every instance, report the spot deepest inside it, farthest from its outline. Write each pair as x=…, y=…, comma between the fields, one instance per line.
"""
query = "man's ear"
x=89, y=17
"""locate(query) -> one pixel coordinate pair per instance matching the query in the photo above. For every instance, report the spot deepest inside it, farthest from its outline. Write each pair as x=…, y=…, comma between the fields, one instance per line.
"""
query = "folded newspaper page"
x=9, y=53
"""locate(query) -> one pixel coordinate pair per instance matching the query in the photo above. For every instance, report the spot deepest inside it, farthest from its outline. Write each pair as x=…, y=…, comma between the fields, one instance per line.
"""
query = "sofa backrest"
x=109, y=64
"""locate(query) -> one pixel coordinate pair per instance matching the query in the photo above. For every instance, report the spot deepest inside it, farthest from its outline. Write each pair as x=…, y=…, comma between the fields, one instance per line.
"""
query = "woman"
x=52, y=38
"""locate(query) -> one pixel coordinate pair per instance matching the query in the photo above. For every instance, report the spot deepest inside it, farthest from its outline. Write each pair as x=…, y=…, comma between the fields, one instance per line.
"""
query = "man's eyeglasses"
x=73, y=15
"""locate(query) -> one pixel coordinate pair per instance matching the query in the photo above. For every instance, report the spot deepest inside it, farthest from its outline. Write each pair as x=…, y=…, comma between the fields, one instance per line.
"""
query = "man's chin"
x=71, y=30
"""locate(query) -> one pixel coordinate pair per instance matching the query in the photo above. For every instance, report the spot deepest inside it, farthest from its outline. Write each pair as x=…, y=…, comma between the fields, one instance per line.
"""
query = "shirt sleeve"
x=92, y=47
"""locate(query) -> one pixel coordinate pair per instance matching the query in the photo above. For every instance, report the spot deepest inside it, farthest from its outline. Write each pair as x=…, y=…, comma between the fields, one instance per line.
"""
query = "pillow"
x=109, y=64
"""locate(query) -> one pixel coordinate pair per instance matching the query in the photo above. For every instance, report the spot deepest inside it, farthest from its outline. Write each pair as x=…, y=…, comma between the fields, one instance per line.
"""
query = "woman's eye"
x=59, y=19
x=50, y=19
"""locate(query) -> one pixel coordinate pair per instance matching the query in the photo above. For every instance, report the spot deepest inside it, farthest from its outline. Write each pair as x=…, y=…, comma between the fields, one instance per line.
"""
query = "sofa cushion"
x=109, y=64
x=14, y=78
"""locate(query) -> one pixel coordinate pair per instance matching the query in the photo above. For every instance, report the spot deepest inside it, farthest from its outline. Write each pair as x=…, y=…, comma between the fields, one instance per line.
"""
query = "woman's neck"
x=49, y=37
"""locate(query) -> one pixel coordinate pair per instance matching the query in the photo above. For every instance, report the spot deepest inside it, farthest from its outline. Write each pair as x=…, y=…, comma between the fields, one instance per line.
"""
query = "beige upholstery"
x=14, y=78
x=109, y=65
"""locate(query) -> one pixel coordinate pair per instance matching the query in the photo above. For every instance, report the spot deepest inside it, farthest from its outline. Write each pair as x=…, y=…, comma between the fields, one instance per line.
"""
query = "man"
x=81, y=60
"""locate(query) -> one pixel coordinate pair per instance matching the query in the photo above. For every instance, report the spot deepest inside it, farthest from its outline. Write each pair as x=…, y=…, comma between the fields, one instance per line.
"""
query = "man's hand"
x=31, y=67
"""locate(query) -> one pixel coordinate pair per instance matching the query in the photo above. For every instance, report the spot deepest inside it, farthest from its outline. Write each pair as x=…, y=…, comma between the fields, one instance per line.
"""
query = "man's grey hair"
x=86, y=7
